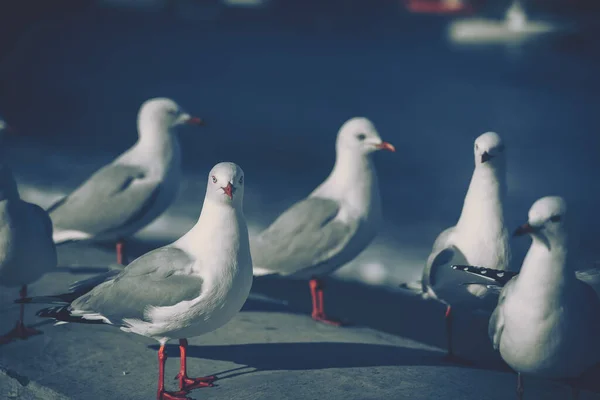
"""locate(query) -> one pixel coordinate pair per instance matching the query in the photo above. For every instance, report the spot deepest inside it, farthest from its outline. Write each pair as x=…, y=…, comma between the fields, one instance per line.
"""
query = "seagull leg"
x=186, y=383
x=448, y=319
x=121, y=257
x=520, y=388
x=162, y=394
x=20, y=331
x=318, y=313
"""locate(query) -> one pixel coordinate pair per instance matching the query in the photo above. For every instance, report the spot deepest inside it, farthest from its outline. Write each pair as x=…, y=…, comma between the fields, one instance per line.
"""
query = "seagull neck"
x=484, y=199
x=353, y=182
x=156, y=143
x=217, y=222
x=545, y=269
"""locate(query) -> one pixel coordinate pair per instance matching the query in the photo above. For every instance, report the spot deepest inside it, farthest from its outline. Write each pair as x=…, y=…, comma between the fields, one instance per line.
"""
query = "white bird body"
x=185, y=289
x=337, y=221
x=547, y=322
x=480, y=236
x=225, y=271
x=137, y=187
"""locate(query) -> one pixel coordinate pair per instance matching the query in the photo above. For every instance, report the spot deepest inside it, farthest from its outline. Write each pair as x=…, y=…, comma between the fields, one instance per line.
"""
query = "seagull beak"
x=385, y=146
x=485, y=157
x=194, y=121
x=524, y=229
x=229, y=189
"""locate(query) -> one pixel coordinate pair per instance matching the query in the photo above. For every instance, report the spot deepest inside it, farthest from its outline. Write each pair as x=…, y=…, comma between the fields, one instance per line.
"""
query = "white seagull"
x=547, y=322
x=26, y=248
x=334, y=223
x=188, y=288
x=480, y=236
x=129, y=193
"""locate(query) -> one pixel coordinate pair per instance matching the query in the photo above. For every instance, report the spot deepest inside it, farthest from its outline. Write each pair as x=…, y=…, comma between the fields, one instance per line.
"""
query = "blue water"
x=275, y=86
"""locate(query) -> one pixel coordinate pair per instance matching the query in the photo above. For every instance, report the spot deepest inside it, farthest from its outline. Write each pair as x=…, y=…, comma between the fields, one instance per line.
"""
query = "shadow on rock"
x=312, y=356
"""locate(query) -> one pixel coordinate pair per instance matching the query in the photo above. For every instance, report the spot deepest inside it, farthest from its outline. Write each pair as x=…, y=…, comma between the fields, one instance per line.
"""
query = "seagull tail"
x=63, y=314
x=497, y=276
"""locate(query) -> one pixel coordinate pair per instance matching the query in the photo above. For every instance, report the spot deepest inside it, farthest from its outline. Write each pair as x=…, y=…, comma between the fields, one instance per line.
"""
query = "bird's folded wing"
x=114, y=197
x=304, y=236
x=158, y=279
x=496, y=323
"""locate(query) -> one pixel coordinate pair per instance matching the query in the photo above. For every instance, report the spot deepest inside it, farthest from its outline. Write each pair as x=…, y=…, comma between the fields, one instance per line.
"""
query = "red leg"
x=318, y=313
x=20, y=331
x=161, y=393
x=448, y=318
x=186, y=383
x=121, y=257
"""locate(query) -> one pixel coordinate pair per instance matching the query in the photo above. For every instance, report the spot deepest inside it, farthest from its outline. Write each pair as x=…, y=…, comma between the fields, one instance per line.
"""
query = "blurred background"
x=276, y=79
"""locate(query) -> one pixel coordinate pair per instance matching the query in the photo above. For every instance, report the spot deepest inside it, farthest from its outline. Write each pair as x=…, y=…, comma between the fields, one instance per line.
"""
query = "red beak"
x=385, y=146
x=228, y=190
x=195, y=121
x=524, y=229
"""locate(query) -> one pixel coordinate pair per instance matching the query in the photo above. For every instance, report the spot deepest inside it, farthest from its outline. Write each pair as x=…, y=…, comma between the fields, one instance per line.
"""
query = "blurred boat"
x=515, y=27
x=440, y=6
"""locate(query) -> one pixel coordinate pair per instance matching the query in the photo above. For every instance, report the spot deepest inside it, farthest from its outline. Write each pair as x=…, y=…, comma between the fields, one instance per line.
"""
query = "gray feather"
x=160, y=278
x=91, y=208
x=496, y=323
x=305, y=236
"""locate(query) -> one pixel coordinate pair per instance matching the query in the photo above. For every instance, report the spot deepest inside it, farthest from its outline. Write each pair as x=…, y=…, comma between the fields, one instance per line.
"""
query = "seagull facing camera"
x=228, y=184
x=488, y=146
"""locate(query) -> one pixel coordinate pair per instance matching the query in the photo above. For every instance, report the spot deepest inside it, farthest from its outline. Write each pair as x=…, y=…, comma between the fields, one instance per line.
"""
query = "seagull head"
x=546, y=219
x=165, y=113
x=359, y=135
x=226, y=183
x=489, y=149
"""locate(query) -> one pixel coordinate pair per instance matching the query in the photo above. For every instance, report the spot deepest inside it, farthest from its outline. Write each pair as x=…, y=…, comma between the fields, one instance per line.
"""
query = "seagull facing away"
x=128, y=194
x=478, y=238
x=26, y=248
x=188, y=288
x=547, y=321
x=337, y=221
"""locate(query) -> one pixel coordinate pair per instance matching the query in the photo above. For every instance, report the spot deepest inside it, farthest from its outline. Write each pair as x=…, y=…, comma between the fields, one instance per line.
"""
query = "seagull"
x=546, y=323
x=26, y=248
x=330, y=227
x=128, y=194
x=185, y=289
x=480, y=236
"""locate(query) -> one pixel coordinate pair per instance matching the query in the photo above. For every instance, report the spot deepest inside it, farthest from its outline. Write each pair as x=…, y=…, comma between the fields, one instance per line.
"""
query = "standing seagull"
x=334, y=223
x=547, y=321
x=185, y=289
x=129, y=193
x=478, y=238
x=26, y=247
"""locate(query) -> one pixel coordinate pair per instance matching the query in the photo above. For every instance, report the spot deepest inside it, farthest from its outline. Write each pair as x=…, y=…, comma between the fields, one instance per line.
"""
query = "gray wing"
x=114, y=197
x=85, y=285
x=304, y=236
x=496, y=323
x=590, y=276
x=159, y=278
x=438, y=256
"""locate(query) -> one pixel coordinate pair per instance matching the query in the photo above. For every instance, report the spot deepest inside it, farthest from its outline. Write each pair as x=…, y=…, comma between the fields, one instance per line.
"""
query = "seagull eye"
x=476, y=146
x=361, y=136
x=555, y=218
x=214, y=179
x=242, y=180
